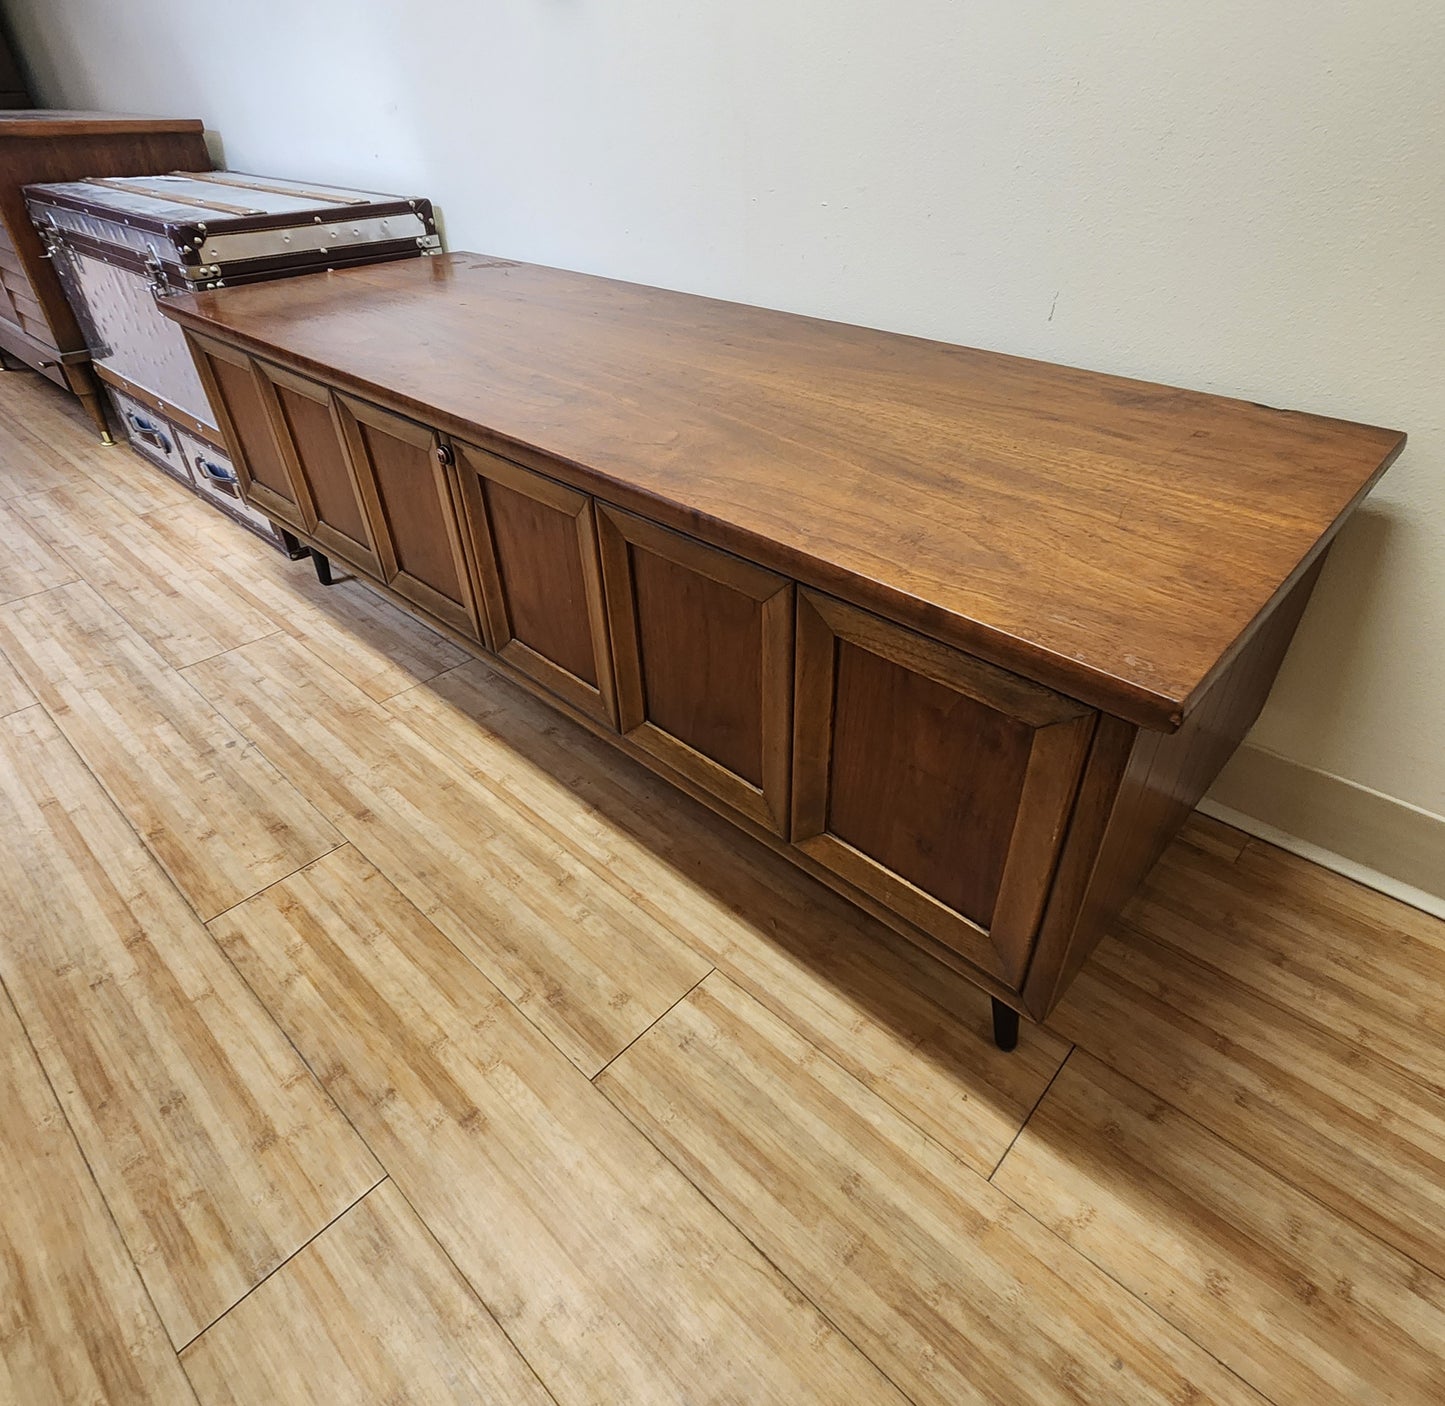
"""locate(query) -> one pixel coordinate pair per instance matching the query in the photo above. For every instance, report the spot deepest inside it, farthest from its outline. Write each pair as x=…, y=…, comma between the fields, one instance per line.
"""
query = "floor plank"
x=27, y=565
x=956, y=1293
x=13, y=694
x=1291, y=1296
x=75, y=1322
x=170, y=598
x=217, y=1152
x=220, y=818
x=1363, y=966
x=365, y=638
x=42, y=421
x=29, y=465
x=370, y=1311
x=588, y=967
x=913, y=1031
x=1344, y=1126
x=611, y=1274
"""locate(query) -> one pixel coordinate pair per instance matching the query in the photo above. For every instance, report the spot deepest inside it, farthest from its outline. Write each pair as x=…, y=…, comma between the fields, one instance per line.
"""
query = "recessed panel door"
x=403, y=471
x=240, y=396
x=310, y=433
x=703, y=644
x=931, y=780
x=535, y=544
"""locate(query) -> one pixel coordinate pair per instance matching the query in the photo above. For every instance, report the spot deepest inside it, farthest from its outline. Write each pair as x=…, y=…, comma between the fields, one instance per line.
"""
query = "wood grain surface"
x=75, y=1322
x=13, y=694
x=1257, y=1273
x=217, y=1152
x=606, y=1268
x=365, y=638
x=1230, y=1186
x=179, y=607
x=27, y=565
x=406, y=1328
x=563, y=945
x=1354, y=1132
x=1360, y=964
x=938, y=1276
x=910, y=1029
x=220, y=818
x=1113, y=538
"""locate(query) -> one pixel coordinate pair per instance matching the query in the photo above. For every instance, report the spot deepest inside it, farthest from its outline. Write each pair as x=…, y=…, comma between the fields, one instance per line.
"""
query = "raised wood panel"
x=703, y=645
x=239, y=395
x=311, y=436
x=535, y=546
x=413, y=513
x=936, y=782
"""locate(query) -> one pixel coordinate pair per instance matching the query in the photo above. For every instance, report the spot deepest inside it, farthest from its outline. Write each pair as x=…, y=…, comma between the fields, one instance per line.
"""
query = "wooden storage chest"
x=966, y=636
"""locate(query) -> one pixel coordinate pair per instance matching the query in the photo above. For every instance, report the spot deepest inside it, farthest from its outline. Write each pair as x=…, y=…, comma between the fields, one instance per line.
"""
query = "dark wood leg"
x=323, y=567
x=94, y=404
x=292, y=543
x=1005, y=1025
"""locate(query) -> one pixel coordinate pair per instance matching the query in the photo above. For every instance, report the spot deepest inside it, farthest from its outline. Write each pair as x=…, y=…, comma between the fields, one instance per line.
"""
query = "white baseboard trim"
x=1381, y=842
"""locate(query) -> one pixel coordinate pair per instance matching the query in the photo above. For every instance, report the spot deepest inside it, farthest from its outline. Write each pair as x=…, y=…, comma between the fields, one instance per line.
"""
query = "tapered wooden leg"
x=323, y=567
x=94, y=404
x=1005, y=1025
x=291, y=543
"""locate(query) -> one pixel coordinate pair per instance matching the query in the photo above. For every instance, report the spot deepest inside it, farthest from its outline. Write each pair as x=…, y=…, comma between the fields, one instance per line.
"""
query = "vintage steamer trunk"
x=118, y=244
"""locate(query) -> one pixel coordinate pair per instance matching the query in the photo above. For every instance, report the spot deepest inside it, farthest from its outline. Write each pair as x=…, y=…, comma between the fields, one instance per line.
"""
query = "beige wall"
x=1238, y=197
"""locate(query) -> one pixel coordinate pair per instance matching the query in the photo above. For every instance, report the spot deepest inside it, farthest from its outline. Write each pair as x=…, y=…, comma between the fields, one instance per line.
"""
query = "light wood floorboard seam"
x=279, y=630
x=660, y=1015
x=1066, y=1249
x=322, y=1231
x=84, y=1158
x=782, y=1274
x=466, y=1279
x=1210, y=1131
x=1043, y=1094
x=1256, y=993
x=241, y=902
x=115, y=801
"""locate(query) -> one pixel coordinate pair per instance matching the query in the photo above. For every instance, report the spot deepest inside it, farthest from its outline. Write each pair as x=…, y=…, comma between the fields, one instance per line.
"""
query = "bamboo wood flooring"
x=370, y=1033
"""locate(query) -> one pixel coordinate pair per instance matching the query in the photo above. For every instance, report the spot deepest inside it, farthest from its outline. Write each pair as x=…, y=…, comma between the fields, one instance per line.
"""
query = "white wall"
x=1241, y=197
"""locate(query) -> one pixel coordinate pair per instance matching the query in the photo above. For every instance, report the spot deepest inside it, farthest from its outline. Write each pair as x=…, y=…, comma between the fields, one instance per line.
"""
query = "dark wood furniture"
x=966, y=636
x=37, y=327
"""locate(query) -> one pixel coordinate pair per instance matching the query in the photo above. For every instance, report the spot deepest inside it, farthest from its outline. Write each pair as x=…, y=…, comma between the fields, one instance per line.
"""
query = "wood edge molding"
x=1381, y=841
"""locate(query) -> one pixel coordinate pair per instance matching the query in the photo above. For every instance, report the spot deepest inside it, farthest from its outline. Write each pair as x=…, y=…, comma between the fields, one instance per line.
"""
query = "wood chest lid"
x=1115, y=539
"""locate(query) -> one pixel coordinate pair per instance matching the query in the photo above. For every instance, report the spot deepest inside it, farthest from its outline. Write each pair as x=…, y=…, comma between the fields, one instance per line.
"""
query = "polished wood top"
x=1116, y=539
